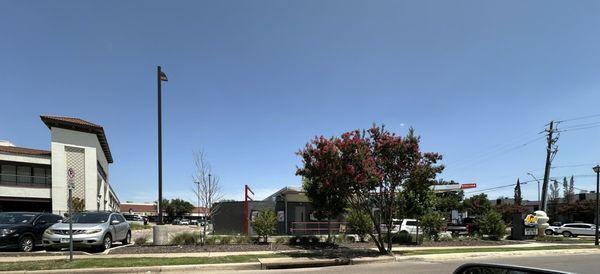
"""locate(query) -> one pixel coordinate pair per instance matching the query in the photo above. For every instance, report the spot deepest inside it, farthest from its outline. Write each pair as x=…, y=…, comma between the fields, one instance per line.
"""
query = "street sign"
x=70, y=174
x=467, y=186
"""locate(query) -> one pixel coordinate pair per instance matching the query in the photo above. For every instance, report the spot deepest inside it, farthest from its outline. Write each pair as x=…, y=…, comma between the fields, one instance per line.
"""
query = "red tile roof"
x=79, y=125
x=138, y=208
x=24, y=151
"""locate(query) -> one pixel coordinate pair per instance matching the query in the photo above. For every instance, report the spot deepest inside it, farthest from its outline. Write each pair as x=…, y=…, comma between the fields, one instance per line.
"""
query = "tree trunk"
x=329, y=229
x=203, y=240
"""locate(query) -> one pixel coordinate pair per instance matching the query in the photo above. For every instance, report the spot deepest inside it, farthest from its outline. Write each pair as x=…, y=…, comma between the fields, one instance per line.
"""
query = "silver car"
x=90, y=229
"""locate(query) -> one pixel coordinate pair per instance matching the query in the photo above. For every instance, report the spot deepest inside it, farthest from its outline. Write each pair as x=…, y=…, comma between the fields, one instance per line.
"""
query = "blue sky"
x=250, y=82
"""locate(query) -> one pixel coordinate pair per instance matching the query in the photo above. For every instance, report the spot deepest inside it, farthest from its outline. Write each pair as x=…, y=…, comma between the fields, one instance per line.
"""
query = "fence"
x=317, y=228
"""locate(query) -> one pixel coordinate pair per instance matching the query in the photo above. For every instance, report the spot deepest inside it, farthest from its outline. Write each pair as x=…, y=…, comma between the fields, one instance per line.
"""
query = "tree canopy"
x=369, y=169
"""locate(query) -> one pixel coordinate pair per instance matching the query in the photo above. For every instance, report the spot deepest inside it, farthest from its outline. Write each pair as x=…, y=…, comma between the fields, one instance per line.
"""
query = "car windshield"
x=16, y=218
x=90, y=218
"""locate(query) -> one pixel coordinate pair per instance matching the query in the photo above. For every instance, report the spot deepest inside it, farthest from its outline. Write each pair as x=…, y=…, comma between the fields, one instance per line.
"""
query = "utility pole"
x=550, y=153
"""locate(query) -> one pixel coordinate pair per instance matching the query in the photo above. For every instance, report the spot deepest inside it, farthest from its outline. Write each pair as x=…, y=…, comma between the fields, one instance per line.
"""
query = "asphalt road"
x=576, y=263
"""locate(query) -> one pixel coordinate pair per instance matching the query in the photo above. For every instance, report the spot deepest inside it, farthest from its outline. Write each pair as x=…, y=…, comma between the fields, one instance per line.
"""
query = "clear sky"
x=250, y=82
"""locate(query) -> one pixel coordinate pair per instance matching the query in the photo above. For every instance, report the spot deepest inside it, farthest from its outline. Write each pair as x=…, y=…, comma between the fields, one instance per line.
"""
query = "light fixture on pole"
x=597, y=170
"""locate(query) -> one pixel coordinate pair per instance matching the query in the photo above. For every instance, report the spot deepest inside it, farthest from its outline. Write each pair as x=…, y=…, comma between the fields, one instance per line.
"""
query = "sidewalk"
x=223, y=254
x=525, y=245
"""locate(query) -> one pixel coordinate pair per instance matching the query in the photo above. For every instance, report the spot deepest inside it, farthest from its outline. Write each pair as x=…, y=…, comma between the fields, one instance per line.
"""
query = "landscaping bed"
x=146, y=249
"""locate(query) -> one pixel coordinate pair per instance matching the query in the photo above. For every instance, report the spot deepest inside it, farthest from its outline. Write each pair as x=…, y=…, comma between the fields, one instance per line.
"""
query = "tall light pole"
x=597, y=170
x=160, y=76
x=538, y=188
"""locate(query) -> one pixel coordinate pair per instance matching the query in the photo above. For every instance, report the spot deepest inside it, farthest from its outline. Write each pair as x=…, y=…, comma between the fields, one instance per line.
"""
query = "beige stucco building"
x=36, y=180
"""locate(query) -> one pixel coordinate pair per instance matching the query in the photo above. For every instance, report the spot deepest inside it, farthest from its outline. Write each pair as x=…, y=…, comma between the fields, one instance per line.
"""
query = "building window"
x=39, y=175
x=24, y=174
x=8, y=174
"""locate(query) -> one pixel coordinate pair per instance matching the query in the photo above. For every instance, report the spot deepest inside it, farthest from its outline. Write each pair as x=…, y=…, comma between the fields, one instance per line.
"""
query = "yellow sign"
x=531, y=220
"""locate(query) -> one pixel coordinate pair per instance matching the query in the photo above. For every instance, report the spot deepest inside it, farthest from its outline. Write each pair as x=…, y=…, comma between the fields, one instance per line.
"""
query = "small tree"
x=207, y=190
x=177, y=207
x=477, y=205
x=518, y=198
x=568, y=189
x=491, y=224
x=432, y=223
x=264, y=224
x=359, y=223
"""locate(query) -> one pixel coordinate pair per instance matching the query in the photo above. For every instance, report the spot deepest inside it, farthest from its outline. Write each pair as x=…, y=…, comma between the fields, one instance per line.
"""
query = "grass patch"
x=488, y=249
x=550, y=239
x=136, y=226
x=129, y=262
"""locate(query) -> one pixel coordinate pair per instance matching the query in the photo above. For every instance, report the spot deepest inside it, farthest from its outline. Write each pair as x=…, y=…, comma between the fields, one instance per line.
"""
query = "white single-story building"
x=36, y=180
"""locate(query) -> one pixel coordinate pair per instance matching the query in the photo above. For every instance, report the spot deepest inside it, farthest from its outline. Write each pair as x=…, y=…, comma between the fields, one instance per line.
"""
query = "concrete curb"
x=289, y=263
x=147, y=269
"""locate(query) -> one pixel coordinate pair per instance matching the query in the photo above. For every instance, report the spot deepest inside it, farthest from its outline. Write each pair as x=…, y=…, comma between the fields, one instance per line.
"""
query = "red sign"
x=467, y=186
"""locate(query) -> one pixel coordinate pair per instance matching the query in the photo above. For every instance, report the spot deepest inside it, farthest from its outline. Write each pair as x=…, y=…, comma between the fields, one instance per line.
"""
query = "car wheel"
x=106, y=242
x=549, y=232
x=26, y=244
x=127, y=239
x=567, y=234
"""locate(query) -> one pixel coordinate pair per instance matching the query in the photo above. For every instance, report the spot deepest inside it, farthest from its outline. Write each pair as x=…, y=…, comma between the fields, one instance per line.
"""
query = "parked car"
x=402, y=226
x=194, y=222
x=184, y=222
x=576, y=229
x=90, y=229
x=552, y=229
x=134, y=218
x=457, y=229
x=23, y=230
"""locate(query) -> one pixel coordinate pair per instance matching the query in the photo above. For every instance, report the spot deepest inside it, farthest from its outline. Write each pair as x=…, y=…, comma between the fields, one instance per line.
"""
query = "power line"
x=477, y=161
x=579, y=118
x=575, y=129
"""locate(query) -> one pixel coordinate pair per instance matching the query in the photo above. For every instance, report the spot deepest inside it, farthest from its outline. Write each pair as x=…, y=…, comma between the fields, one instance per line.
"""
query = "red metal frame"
x=246, y=199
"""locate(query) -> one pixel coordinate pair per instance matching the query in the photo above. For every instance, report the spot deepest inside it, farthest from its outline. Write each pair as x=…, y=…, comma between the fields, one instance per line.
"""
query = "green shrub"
x=211, y=240
x=432, y=224
x=243, y=240
x=491, y=224
x=226, y=240
x=359, y=223
x=264, y=224
x=281, y=240
x=185, y=238
x=141, y=240
x=303, y=240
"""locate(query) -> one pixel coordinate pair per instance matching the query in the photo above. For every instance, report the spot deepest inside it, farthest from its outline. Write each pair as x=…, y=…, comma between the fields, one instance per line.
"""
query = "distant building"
x=291, y=205
x=36, y=180
x=150, y=210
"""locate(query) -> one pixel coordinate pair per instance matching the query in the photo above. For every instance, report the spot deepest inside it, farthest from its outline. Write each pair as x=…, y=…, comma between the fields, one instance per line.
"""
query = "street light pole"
x=597, y=170
x=160, y=202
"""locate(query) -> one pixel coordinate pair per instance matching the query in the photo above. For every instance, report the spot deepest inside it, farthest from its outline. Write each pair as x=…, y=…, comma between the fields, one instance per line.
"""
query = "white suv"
x=576, y=229
x=408, y=226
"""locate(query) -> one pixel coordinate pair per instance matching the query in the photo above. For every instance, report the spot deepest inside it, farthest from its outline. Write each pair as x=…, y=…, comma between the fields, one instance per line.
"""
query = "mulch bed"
x=321, y=248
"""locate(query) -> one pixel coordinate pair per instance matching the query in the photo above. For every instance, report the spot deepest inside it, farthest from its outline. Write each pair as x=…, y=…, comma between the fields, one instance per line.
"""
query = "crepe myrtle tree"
x=326, y=201
x=367, y=170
